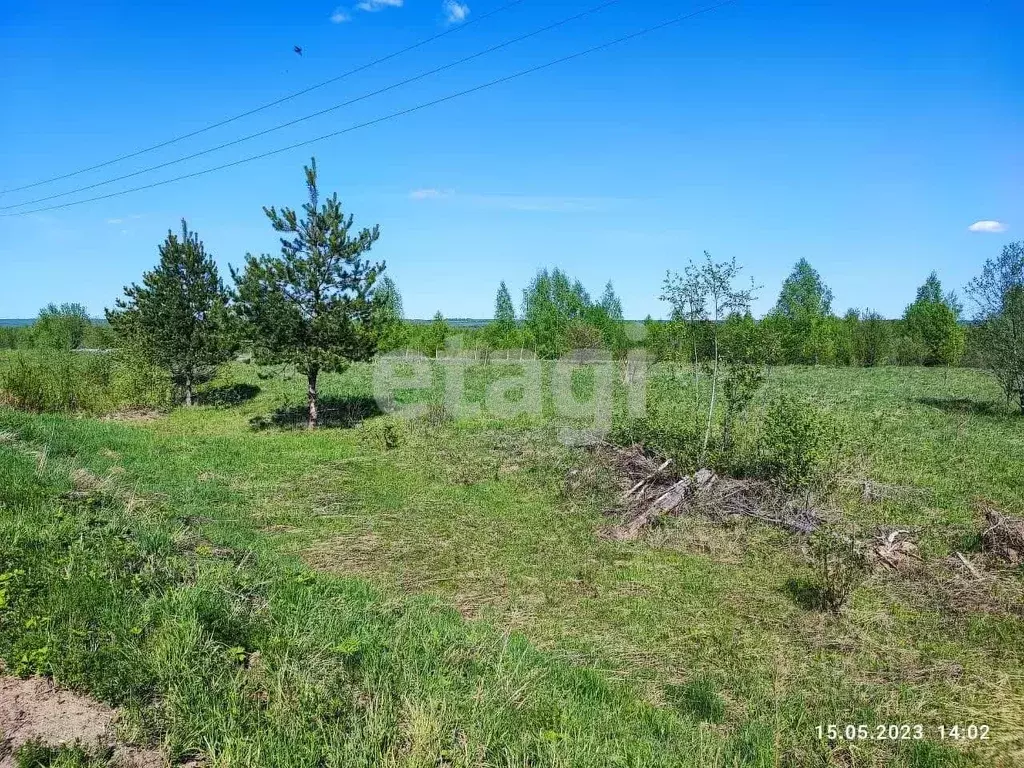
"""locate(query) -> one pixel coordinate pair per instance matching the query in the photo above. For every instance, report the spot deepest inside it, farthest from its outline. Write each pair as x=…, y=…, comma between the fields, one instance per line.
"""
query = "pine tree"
x=435, y=335
x=178, y=317
x=315, y=304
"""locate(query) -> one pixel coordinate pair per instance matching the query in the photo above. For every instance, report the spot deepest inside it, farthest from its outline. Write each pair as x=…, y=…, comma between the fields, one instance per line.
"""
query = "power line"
x=393, y=115
x=321, y=112
x=269, y=104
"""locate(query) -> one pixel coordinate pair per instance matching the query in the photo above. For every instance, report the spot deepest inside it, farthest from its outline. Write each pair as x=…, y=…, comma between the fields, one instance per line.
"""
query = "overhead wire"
x=393, y=115
x=319, y=113
x=269, y=104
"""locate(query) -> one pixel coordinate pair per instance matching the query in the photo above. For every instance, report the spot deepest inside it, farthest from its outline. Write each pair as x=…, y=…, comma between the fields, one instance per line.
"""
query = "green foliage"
x=872, y=339
x=932, y=322
x=666, y=340
x=48, y=381
x=702, y=298
x=559, y=316
x=314, y=305
x=385, y=433
x=998, y=276
x=504, y=310
x=803, y=304
x=57, y=381
x=64, y=327
x=551, y=303
x=389, y=320
x=699, y=699
x=607, y=317
x=135, y=382
x=840, y=566
x=804, y=294
x=434, y=336
x=797, y=445
x=998, y=293
x=743, y=371
x=36, y=754
x=178, y=317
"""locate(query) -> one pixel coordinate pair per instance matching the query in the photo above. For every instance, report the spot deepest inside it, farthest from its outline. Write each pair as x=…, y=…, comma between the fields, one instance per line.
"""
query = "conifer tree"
x=178, y=317
x=314, y=305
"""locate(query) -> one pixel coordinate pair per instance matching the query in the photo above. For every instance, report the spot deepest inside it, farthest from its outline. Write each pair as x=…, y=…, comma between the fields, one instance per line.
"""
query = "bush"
x=67, y=382
x=907, y=350
x=674, y=439
x=840, y=567
x=797, y=445
x=56, y=382
x=383, y=433
x=137, y=383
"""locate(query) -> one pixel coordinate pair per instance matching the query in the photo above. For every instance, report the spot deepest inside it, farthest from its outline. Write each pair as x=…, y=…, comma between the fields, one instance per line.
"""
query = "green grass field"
x=269, y=596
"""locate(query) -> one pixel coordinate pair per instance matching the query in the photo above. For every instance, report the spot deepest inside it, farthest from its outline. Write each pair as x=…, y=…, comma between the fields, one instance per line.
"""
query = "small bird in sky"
x=298, y=50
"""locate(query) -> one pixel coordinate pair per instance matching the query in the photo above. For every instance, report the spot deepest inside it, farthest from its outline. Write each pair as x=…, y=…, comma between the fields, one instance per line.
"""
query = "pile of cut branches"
x=653, y=489
x=1003, y=535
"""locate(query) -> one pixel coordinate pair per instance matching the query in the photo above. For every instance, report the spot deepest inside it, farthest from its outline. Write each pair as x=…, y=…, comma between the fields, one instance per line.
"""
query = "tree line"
x=321, y=304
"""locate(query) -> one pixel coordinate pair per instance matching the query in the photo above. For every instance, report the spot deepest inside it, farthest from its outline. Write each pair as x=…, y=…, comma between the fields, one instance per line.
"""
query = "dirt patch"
x=133, y=414
x=32, y=710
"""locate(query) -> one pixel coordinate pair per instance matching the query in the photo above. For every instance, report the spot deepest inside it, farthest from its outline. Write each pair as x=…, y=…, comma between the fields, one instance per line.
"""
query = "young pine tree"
x=178, y=317
x=315, y=304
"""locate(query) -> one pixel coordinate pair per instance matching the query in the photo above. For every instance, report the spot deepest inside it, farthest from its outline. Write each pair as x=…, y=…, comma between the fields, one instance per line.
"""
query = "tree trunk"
x=711, y=408
x=188, y=391
x=311, y=394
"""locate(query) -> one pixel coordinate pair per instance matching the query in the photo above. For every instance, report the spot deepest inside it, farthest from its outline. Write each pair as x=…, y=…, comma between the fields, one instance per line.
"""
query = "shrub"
x=797, y=445
x=840, y=567
x=908, y=350
x=66, y=382
x=384, y=433
x=55, y=382
x=137, y=383
x=672, y=438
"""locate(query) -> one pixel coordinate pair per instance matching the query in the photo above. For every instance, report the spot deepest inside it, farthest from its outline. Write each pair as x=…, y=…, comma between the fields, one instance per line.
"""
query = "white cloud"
x=340, y=16
x=987, y=226
x=378, y=5
x=454, y=11
x=124, y=219
x=429, y=194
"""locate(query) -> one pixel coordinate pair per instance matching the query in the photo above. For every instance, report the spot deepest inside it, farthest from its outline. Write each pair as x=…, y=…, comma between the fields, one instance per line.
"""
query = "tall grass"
x=60, y=381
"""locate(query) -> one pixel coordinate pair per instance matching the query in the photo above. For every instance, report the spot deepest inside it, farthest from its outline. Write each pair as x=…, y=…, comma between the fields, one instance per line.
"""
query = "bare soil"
x=33, y=710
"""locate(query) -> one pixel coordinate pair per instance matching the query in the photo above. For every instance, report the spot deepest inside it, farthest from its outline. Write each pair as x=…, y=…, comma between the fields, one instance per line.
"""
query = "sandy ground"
x=33, y=710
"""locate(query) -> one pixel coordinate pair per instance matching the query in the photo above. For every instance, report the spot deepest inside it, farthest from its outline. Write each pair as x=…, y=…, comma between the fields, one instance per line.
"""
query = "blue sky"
x=866, y=137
